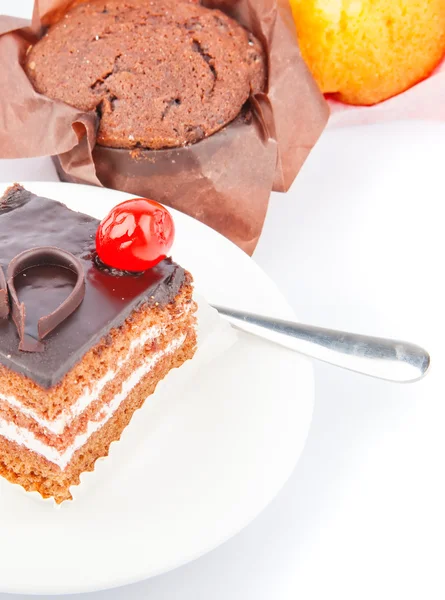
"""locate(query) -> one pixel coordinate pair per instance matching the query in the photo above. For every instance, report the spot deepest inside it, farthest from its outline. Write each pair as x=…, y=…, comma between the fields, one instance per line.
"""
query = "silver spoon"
x=392, y=360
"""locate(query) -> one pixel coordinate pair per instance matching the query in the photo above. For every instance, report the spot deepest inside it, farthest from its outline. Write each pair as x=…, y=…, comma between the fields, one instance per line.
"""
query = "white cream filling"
x=88, y=396
x=24, y=437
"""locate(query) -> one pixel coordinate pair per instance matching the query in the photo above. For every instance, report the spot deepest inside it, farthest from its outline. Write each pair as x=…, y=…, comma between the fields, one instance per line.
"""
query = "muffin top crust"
x=160, y=73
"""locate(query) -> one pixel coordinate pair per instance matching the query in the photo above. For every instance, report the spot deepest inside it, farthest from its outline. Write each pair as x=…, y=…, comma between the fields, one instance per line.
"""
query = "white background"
x=357, y=244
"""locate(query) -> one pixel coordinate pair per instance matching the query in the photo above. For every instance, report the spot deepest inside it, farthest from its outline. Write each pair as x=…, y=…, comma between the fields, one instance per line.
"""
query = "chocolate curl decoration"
x=4, y=299
x=36, y=257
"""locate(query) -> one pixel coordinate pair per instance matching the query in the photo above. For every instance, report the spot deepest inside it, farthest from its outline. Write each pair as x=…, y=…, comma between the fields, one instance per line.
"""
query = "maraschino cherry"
x=135, y=236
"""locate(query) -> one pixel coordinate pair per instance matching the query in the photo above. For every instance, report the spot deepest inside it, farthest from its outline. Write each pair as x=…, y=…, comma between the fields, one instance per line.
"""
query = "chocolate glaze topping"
x=40, y=257
x=28, y=221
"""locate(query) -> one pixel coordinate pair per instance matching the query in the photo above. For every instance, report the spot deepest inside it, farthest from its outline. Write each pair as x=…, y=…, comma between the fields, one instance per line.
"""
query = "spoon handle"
x=392, y=360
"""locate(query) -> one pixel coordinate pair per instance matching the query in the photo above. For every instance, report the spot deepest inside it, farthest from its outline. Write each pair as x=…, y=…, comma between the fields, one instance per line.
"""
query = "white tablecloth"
x=358, y=244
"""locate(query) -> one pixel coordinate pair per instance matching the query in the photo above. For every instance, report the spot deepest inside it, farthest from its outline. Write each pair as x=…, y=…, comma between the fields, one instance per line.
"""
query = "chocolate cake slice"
x=63, y=403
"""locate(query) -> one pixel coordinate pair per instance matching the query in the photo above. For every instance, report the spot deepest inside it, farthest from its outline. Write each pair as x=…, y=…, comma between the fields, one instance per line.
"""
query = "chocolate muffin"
x=160, y=73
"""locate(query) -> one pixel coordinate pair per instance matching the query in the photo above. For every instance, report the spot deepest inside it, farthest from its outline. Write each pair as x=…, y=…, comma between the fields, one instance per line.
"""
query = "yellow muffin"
x=365, y=51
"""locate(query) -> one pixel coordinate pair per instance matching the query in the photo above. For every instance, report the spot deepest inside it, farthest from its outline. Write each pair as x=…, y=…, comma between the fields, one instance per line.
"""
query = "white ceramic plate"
x=214, y=458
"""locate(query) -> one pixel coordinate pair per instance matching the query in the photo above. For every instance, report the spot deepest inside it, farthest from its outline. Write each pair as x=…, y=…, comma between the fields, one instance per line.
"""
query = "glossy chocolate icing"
x=27, y=221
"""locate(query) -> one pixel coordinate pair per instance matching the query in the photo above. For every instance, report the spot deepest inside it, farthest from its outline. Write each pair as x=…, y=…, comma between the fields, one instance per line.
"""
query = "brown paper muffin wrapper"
x=225, y=180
